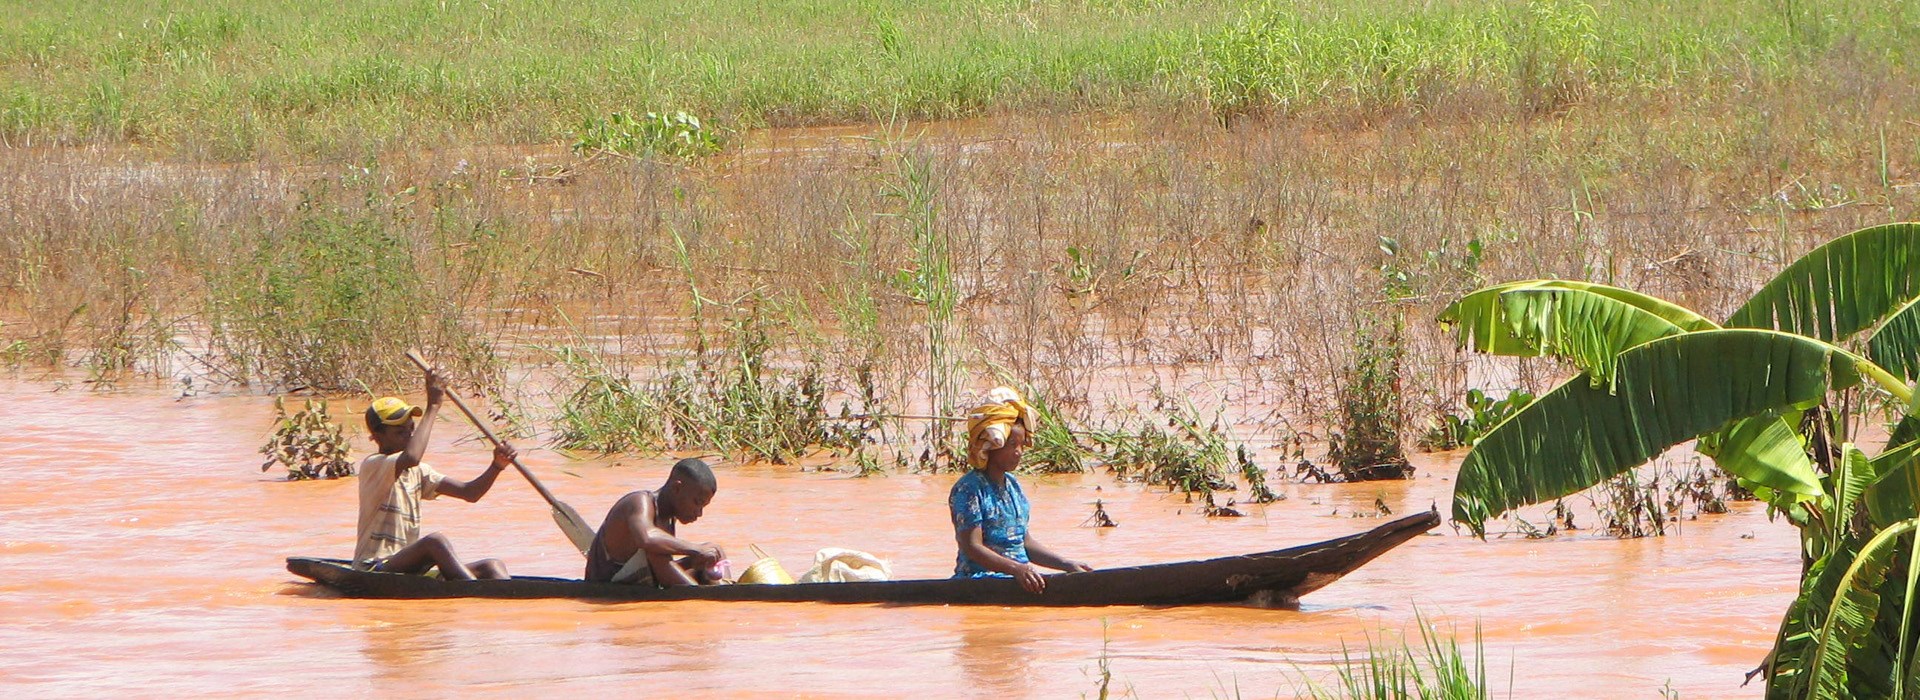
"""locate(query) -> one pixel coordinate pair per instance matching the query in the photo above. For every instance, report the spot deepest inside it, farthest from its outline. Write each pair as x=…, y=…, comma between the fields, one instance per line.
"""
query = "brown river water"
x=141, y=554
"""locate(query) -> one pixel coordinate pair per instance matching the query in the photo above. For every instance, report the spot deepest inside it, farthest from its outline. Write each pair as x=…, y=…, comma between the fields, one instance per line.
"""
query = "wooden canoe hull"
x=1276, y=577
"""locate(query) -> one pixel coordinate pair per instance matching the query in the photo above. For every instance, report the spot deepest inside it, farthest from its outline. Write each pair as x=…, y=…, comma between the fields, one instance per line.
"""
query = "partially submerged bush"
x=1255, y=477
x=324, y=300
x=308, y=443
x=1366, y=444
x=668, y=134
x=1483, y=412
x=605, y=412
x=733, y=403
x=1185, y=454
x=1055, y=450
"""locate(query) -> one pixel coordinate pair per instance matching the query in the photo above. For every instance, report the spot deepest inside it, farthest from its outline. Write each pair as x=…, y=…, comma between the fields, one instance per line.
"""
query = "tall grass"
x=929, y=282
x=231, y=78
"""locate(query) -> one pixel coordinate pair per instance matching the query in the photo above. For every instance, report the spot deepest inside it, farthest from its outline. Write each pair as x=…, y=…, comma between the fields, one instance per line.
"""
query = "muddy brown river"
x=141, y=554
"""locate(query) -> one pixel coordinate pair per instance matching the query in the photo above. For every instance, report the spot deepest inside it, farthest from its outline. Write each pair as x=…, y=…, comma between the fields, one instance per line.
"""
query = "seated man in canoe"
x=394, y=480
x=989, y=510
x=637, y=544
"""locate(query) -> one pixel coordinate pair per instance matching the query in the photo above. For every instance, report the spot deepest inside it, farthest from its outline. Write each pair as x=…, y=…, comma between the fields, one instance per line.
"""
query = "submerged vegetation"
x=1365, y=444
x=308, y=443
x=1174, y=446
x=1435, y=668
x=671, y=135
x=731, y=401
x=1483, y=412
x=897, y=260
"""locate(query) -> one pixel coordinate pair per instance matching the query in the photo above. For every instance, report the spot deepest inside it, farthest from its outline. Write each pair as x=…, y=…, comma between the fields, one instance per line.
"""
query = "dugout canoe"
x=1278, y=577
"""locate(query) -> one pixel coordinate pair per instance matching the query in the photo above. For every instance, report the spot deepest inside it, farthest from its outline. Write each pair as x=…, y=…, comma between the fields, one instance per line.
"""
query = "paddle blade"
x=575, y=526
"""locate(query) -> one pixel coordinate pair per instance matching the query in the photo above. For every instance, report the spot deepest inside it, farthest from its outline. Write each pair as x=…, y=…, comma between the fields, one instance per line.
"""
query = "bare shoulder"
x=634, y=502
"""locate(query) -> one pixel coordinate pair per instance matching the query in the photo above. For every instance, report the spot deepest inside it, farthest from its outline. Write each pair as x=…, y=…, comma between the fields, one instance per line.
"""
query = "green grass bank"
x=229, y=79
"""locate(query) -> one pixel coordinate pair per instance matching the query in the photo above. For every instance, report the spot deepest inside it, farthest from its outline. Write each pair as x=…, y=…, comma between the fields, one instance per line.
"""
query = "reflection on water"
x=141, y=552
x=398, y=651
x=992, y=655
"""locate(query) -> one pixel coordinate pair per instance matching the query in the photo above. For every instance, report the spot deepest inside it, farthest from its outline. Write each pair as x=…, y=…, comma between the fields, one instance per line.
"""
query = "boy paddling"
x=394, y=480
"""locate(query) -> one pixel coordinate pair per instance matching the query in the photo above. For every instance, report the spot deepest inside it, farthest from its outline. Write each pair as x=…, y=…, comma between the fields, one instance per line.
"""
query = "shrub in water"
x=308, y=443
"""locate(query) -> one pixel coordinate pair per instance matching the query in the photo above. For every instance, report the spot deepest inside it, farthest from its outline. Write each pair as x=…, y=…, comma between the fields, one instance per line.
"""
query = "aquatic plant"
x=308, y=443
x=308, y=302
x=1173, y=446
x=1056, y=448
x=1365, y=444
x=1656, y=375
x=733, y=402
x=605, y=411
x=1482, y=413
x=1438, y=668
x=654, y=134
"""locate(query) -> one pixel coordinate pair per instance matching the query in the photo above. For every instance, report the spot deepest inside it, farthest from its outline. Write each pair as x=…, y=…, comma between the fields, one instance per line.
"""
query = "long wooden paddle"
x=564, y=515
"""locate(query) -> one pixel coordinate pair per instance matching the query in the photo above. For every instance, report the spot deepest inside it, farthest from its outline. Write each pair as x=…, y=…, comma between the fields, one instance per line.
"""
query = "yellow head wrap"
x=989, y=425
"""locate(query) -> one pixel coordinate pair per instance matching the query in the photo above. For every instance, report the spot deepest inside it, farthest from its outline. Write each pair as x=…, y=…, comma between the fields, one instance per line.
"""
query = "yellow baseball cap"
x=394, y=411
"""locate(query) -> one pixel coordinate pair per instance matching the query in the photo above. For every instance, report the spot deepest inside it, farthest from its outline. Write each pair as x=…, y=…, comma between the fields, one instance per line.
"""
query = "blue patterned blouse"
x=1000, y=513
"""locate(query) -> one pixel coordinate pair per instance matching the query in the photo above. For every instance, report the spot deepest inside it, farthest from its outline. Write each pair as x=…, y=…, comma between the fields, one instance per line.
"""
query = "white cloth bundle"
x=837, y=565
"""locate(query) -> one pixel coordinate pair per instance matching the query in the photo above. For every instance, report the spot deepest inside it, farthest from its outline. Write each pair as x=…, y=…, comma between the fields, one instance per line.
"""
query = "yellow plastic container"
x=765, y=570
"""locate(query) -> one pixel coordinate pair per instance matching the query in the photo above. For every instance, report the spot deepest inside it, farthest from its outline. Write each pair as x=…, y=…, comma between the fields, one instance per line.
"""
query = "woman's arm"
x=972, y=545
x=1043, y=556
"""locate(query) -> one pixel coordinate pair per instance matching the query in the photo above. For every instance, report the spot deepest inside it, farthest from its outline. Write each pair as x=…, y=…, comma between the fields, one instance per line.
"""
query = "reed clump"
x=1174, y=446
x=732, y=402
x=1437, y=667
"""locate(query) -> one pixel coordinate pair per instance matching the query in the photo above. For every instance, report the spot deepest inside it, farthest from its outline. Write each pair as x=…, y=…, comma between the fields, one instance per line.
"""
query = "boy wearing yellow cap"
x=394, y=480
x=989, y=509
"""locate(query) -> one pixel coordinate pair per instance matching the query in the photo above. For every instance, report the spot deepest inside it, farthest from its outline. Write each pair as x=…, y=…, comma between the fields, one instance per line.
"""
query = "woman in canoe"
x=989, y=509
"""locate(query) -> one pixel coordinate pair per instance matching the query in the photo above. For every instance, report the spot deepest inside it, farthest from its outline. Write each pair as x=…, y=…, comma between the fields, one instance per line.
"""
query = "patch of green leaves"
x=650, y=135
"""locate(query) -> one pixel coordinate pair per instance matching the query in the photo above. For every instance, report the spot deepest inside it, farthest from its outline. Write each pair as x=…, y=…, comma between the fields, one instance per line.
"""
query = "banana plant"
x=1655, y=375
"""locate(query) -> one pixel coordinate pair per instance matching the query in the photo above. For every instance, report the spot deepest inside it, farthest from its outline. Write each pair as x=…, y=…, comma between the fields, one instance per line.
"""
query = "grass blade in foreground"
x=1665, y=392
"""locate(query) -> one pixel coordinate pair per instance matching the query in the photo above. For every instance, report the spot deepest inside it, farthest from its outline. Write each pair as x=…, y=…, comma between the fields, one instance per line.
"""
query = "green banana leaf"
x=1896, y=486
x=1849, y=636
x=1766, y=450
x=1840, y=288
x=1843, y=633
x=1591, y=324
x=1588, y=324
x=1666, y=392
x=1895, y=345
